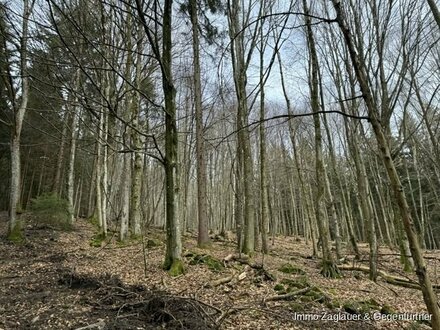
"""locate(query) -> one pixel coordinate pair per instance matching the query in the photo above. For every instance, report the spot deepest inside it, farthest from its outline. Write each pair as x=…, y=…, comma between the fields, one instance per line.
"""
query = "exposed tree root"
x=330, y=269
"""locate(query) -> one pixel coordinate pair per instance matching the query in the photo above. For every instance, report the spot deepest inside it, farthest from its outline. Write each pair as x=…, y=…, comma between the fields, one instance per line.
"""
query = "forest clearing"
x=59, y=280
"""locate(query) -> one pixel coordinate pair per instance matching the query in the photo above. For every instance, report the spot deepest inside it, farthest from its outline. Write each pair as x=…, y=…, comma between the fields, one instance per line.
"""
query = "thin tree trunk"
x=18, y=124
x=173, y=252
x=264, y=214
x=202, y=207
x=125, y=198
x=329, y=268
x=72, y=154
x=136, y=184
x=56, y=188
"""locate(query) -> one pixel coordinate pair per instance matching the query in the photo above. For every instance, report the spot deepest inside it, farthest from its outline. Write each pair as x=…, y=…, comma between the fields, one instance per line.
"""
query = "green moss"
x=176, y=268
x=333, y=304
x=97, y=240
x=297, y=307
x=94, y=220
x=306, y=299
x=387, y=309
x=279, y=287
x=316, y=295
x=213, y=264
x=372, y=302
x=361, y=307
x=299, y=283
x=121, y=244
x=351, y=307
x=50, y=209
x=16, y=235
x=151, y=243
x=331, y=291
x=290, y=269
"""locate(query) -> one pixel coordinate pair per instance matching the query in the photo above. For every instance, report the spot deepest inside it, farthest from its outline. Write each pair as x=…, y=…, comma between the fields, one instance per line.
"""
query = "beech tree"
x=329, y=266
x=18, y=96
x=203, y=237
x=163, y=56
x=147, y=129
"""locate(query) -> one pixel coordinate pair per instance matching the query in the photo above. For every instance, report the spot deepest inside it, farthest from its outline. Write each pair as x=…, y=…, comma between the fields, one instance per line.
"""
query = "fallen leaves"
x=236, y=294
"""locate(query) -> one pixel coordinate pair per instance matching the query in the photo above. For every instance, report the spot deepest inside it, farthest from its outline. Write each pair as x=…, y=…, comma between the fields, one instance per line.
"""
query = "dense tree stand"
x=162, y=121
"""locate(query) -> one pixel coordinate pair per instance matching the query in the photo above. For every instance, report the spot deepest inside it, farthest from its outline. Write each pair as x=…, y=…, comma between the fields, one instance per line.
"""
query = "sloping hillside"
x=65, y=280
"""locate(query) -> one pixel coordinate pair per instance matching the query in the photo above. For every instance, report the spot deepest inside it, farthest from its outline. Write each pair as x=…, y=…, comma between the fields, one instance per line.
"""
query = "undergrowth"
x=51, y=210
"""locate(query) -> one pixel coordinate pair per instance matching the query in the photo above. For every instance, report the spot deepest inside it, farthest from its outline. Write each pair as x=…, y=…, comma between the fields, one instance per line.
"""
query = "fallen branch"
x=391, y=279
x=286, y=296
x=220, y=281
x=228, y=258
x=229, y=312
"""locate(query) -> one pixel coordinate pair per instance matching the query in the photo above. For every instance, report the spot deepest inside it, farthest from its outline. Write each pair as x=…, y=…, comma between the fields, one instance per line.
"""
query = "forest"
x=219, y=164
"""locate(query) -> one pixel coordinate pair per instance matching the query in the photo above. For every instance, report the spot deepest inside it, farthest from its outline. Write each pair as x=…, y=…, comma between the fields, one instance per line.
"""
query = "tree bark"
x=71, y=164
x=173, y=252
x=202, y=206
x=56, y=187
x=435, y=11
x=329, y=266
x=18, y=123
x=136, y=184
x=264, y=214
x=240, y=65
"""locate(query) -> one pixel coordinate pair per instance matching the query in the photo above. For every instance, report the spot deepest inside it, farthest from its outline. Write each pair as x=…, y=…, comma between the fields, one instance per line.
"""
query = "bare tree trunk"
x=56, y=188
x=173, y=254
x=435, y=11
x=18, y=124
x=71, y=164
x=329, y=268
x=104, y=182
x=203, y=237
x=98, y=181
x=173, y=257
x=136, y=184
x=240, y=66
x=125, y=198
x=263, y=175
x=329, y=192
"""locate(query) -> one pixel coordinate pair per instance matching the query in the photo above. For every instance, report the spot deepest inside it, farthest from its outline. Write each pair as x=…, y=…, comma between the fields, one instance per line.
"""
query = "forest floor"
x=59, y=280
